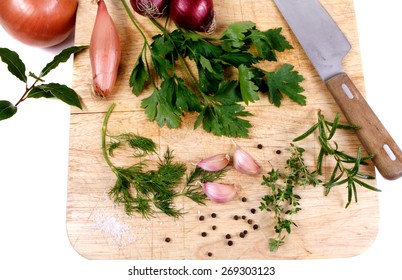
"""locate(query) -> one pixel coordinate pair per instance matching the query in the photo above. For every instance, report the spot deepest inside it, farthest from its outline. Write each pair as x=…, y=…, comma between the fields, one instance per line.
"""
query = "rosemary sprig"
x=347, y=167
x=144, y=191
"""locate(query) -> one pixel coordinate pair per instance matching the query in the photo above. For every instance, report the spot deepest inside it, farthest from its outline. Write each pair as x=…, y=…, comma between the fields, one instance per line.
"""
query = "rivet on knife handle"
x=372, y=134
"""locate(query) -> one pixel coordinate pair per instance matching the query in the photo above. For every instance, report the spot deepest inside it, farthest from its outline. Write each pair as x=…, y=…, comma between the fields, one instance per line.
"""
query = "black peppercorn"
x=167, y=239
x=259, y=146
x=230, y=242
x=201, y=218
x=204, y=234
x=253, y=211
x=213, y=215
x=228, y=236
x=255, y=227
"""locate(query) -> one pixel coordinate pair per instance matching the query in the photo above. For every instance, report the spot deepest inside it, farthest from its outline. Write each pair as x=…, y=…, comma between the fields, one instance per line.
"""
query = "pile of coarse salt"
x=118, y=232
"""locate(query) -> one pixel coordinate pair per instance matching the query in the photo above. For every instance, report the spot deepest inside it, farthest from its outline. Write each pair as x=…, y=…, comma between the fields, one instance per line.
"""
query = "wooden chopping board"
x=98, y=229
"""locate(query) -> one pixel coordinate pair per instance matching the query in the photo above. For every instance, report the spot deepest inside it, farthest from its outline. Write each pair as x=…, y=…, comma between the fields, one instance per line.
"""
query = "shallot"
x=105, y=52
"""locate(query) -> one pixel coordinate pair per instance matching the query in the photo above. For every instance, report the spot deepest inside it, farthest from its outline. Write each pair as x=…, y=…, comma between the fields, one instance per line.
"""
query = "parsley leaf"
x=159, y=105
x=248, y=89
x=139, y=76
x=222, y=120
x=285, y=81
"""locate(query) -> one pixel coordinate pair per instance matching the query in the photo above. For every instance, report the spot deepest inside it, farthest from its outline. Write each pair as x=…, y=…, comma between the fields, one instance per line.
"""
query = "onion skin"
x=195, y=15
x=38, y=23
x=150, y=8
x=104, y=52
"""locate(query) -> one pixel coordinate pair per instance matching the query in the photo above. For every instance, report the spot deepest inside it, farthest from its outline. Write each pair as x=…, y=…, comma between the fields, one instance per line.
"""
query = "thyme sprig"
x=282, y=200
x=148, y=191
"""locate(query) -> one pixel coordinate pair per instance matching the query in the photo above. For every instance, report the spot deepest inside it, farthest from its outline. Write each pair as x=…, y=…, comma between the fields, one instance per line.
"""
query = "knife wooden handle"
x=372, y=134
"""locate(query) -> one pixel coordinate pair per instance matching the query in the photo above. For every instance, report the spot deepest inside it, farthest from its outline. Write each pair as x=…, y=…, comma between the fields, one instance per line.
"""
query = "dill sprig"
x=147, y=191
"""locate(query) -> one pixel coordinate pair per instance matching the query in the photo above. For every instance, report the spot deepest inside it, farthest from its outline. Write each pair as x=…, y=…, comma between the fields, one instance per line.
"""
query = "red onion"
x=104, y=52
x=196, y=15
x=150, y=8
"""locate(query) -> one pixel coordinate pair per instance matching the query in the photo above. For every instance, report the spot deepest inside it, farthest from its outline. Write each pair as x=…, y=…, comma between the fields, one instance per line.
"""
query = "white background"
x=34, y=165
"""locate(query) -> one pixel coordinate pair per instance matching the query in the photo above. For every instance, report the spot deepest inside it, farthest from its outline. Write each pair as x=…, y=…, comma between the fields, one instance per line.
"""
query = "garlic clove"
x=214, y=163
x=219, y=193
x=244, y=162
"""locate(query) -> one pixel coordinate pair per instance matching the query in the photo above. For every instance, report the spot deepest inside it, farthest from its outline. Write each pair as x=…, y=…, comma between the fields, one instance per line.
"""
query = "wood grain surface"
x=98, y=229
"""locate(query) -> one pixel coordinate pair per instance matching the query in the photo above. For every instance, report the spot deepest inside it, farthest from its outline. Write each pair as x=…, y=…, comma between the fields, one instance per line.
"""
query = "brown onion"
x=150, y=8
x=39, y=23
x=196, y=15
x=104, y=52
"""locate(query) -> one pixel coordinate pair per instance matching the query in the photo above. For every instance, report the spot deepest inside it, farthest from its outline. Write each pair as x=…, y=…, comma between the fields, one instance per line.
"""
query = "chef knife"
x=326, y=46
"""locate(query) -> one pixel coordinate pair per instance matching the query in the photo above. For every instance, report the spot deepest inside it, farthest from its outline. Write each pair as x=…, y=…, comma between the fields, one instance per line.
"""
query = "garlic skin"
x=244, y=162
x=214, y=163
x=219, y=193
x=104, y=52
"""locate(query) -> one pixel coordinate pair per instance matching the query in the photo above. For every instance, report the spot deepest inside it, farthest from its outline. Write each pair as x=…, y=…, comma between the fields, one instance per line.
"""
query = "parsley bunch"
x=217, y=99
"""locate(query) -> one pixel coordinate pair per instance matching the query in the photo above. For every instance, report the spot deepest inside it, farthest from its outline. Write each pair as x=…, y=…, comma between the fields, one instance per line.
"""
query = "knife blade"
x=326, y=46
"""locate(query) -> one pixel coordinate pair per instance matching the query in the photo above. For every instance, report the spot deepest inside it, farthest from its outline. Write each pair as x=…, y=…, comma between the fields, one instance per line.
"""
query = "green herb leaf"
x=61, y=92
x=248, y=89
x=39, y=92
x=186, y=100
x=139, y=76
x=235, y=35
x=159, y=105
x=287, y=82
x=63, y=56
x=14, y=63
x=277, y=40
x=225, y=120
x=7, y=110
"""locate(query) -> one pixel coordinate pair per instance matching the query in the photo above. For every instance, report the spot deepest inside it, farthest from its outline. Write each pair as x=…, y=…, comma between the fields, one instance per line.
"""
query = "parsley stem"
x=181, y=60
x=131, y=16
